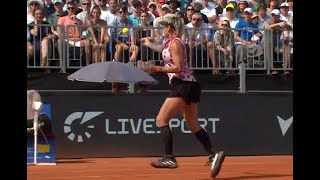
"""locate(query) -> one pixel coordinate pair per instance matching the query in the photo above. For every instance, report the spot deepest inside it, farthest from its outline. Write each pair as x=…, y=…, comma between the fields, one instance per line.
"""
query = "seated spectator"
x=77, y=7
x=258, y=34
x=152, y=7
x=48, y=8
x=284, y=12
x=187, y=17
x=243, y=4
x=262, y=13
x=224, y=45
x=145, y=53
x=290, y=3
x=198, y=37
x=175, y=6
x=123, y=35
x=245, y=29
x=72, y=32
x=235, y=9
x=32, y=6
x=230, y=15
x=159, y=38
x=99, y=37
x=273, y=4
x=210, y=11
x=197, y=7
x=39, y=37
x=278, y=26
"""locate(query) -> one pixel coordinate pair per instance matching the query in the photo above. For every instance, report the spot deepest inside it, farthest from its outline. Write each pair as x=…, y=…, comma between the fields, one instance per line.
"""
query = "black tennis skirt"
x=189, y=91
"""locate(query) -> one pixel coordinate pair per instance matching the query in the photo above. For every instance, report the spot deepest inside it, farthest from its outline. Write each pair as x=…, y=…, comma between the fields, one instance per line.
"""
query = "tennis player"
x=184, y=95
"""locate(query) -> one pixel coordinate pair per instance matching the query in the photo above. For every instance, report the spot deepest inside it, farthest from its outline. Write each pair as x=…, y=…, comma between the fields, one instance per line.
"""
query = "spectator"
x=235, y=6
x=224, y=45
x=142, y=31
x=32, y=6
x=290, y=3
x=174, y=5
x=273, y=4
x=159, y=4
x=197, y=7
x=158, y=31
x=53, y=21
x=277, y=26
x=99, y=36
x=71, y=31
x=136, y=11
x=53, y=18
x=284, y=12
x=230, y=15
x=198, y=37
x=245, y=30
x=210, y=12
x=39, y=36
x=243, y=4
x=152, y=7
x=85, y=16
x=219, y=8
x=263, y=17
x=124, y=40
x=48, y=8
x=104, y=11
x=111, y=14
x=77, y=6
x=187, y=18
x=130, y=6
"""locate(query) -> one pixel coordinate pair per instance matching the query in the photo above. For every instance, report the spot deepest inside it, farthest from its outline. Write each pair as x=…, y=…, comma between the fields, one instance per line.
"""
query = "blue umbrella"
x=113, y=72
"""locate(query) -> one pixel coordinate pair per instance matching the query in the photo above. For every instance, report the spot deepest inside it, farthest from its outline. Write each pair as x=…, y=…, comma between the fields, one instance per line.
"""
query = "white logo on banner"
x=285, y=124
x=85, y=117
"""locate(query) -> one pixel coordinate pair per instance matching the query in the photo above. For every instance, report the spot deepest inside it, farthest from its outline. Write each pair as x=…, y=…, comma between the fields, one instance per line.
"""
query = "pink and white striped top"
x=186, y=74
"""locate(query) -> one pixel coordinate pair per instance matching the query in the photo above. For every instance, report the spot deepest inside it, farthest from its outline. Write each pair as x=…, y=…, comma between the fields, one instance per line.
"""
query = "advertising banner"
x=45, y=138
x=91, y=125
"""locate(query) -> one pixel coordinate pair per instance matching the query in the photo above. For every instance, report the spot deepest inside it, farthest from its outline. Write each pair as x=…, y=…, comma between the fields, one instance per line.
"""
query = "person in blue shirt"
x=244, y=36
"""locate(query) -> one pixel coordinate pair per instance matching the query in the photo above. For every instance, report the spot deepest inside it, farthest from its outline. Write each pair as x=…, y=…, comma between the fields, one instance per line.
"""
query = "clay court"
x=190, y=168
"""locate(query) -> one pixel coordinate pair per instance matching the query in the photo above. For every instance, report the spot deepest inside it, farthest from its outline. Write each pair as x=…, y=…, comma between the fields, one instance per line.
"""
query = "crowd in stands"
x=224, y=31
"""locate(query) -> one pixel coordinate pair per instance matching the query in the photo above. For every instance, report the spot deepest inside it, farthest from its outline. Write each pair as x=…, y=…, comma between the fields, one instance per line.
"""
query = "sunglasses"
x=86, y=4
x=122, y=12
x=70, y=8
x=224, y=25
x=196, y=19
x=229, y=9
x=190, y=9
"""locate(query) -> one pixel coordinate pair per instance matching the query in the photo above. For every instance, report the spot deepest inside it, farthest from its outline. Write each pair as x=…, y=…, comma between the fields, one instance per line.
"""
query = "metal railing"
x=64, y=53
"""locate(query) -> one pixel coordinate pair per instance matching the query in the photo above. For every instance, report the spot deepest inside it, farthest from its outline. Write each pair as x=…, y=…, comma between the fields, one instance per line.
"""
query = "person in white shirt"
x=210, y=11
x=197, y=37
x=284, y=9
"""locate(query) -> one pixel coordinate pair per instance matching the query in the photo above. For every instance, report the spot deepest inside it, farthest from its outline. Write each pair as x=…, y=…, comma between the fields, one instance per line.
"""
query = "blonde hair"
x=175, y=21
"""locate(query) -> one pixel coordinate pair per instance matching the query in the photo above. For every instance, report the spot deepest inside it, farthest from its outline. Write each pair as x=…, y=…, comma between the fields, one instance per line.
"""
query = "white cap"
x=255, y=14
x=167, y=7
x=57, y=1
x=275, y=12
x=249, y=10
x=244, y=1
x=231, y=1
x=285, y=4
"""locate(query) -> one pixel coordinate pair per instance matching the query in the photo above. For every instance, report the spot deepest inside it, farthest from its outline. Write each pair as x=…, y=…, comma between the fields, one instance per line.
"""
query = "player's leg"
x=190, y=113
x=169, y=109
